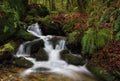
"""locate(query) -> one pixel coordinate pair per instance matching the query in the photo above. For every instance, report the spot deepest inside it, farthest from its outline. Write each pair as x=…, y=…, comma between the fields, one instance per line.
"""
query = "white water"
x=54, y=63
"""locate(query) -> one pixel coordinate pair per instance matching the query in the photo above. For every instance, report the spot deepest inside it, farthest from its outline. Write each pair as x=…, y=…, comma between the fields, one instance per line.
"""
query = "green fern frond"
x=88, y=41
x=93, y=40
x=103, y=36
x=72, y=36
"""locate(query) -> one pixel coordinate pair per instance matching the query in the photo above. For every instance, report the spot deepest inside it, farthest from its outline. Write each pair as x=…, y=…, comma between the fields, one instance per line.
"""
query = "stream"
x=54, y=64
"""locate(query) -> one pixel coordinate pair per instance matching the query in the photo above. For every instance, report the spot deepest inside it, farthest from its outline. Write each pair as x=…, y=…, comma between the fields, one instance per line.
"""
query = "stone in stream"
x=37, y=50
x=41, y=55
x=22, y=62
x=72, y=58
x=36, y=45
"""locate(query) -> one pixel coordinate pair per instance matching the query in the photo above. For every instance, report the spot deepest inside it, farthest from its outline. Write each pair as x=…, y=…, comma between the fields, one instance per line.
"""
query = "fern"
x=93, y=40
x=72, y=36
x=103, y=36
x=88, y=41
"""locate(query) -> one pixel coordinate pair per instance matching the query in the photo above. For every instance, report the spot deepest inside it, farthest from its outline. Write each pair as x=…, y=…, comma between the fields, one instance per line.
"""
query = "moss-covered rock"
x=22, y=62
x=7, y=52
x=71, y=58
x=41, y=55
x=24, y=35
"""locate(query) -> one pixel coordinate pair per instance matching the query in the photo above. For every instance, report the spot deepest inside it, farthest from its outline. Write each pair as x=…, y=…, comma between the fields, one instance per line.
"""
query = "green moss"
x=7, y=47
x=24, y=35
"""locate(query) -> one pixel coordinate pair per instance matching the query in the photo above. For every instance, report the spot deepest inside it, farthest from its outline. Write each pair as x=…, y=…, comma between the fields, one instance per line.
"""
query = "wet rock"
x=41, y=55
x=22, y=62
x=36, y=45
x=55, y=40
x=42, y=69
x=72, y=58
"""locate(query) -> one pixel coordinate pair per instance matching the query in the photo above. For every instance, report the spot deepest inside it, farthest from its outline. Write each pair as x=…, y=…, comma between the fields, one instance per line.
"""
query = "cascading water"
x=54, y=63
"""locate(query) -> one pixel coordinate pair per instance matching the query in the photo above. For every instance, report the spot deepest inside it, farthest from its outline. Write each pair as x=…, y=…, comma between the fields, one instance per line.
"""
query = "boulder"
x=36, y=45
x=22, y=62
x=72, y=58
x=41, y=55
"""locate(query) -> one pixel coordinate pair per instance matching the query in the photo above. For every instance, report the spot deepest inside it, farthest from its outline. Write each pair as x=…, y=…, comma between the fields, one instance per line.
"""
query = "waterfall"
x=34, y=29
x=54, y=63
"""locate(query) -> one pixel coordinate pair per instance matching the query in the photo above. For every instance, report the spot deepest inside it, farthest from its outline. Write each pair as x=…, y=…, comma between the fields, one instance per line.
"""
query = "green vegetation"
x=73, y=36
x=93, y=40
x=7, y=47
x=92, y=28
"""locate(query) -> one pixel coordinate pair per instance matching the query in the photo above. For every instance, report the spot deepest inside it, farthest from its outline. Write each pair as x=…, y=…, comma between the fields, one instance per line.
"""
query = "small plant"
x=73, y=36
x=68, y=26
x=7, y=47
